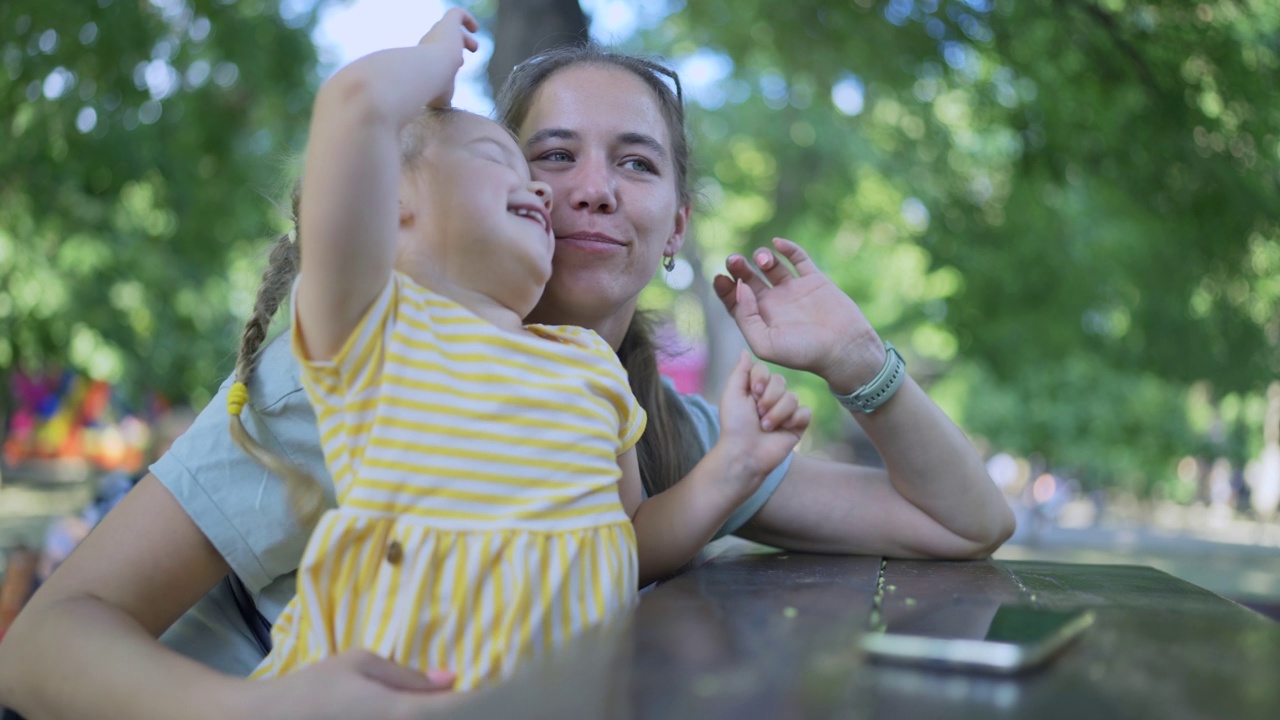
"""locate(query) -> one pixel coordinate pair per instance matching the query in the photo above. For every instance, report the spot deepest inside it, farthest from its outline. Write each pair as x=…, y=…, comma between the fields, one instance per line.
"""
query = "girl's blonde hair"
x=305, y=494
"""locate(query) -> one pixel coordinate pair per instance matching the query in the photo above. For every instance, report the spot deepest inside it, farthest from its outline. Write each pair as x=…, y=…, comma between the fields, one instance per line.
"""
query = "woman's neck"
x=612, y=326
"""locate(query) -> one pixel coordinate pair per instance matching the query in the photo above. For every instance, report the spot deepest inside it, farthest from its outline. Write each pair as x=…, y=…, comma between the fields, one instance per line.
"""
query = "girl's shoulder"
x=572, y=335
x=581, y=348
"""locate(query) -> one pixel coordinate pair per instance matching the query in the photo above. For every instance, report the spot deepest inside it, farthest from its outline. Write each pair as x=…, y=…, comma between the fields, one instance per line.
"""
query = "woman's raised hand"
x=800, y=319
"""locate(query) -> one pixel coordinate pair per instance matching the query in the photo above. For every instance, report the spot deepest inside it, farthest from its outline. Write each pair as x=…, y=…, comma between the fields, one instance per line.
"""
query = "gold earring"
x=669, y=262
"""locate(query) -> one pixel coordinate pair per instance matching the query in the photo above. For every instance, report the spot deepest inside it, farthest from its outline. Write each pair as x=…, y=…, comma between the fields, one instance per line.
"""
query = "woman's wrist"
x=856, y=364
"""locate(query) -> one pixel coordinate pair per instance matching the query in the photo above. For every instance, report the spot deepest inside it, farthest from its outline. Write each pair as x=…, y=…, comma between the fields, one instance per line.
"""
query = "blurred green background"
x=1065, y=212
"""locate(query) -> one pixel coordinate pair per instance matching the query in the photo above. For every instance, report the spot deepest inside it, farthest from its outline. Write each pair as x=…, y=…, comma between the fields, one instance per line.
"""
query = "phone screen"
x=978, y=633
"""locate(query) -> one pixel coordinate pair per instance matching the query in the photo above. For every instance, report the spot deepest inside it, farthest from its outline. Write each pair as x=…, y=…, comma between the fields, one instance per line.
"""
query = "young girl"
x=485, y=473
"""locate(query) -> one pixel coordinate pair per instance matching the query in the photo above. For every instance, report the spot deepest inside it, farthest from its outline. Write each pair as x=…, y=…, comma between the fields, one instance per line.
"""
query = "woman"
x=607, y=133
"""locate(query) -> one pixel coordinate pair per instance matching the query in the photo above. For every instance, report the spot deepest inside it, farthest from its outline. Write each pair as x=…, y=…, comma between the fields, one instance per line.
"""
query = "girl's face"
x=474, y=219
x=596, y=135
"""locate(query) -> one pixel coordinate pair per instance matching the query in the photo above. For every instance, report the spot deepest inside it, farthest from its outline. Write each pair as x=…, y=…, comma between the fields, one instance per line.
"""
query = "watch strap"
x=881, y=387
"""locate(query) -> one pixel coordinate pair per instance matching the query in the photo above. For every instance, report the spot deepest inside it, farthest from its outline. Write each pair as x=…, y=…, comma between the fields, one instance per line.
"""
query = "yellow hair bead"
x=237, y=397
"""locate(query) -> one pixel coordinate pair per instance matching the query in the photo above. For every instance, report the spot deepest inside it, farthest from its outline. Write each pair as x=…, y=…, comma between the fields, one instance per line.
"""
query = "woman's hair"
x=669, y=448
x=305, y=493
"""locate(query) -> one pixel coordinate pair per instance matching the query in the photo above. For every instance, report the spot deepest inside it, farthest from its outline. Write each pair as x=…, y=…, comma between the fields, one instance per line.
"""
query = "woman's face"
x=596, y=135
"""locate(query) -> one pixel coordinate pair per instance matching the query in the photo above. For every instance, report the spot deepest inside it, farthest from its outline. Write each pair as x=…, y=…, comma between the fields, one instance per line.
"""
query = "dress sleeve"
x=613, y=385
x=633, y=423
x=355, y=368
x=344, y=389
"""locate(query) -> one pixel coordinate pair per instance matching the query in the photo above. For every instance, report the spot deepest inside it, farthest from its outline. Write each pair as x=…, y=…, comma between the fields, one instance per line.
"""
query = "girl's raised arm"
x=351, y=180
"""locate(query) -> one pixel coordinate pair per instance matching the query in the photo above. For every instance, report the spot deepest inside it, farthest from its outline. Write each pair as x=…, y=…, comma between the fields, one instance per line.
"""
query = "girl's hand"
x=777, y=407
x=452, y=34
x=351, y=181
x=356, y=683
x=760, y=420
x=800, y=320
x=397, y=83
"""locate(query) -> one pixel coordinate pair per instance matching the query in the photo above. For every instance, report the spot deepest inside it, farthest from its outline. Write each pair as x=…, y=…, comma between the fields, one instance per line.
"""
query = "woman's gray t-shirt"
x=245, y=514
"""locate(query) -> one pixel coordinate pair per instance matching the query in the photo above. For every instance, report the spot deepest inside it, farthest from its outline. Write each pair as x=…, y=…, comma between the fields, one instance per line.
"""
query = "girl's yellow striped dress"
x=478, y=518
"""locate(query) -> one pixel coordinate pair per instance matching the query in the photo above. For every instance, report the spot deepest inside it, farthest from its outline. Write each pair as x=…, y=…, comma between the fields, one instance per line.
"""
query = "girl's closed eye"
x=487, y=150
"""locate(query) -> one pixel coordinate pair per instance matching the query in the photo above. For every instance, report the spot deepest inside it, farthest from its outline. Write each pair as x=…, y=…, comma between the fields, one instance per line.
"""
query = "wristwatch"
x=881, y=387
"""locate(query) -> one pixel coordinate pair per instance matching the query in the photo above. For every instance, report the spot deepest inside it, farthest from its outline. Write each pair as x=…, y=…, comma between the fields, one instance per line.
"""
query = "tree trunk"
x=1266, y=471
x=524, y=27
x=724, y=339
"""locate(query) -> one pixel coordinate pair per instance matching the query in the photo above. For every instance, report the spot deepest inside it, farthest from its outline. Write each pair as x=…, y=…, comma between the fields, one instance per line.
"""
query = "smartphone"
x=977, y=634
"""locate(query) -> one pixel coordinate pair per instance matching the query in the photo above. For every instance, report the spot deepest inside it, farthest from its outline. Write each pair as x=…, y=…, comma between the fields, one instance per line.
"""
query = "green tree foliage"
x=1065, y=209
x=142, y=146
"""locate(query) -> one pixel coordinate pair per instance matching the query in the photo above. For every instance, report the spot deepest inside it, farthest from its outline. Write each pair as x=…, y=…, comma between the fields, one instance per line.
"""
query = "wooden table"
x=756, y=633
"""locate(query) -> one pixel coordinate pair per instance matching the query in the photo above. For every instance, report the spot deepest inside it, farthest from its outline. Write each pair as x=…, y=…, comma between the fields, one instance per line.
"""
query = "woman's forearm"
x=934, y=466
x=78, y=657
